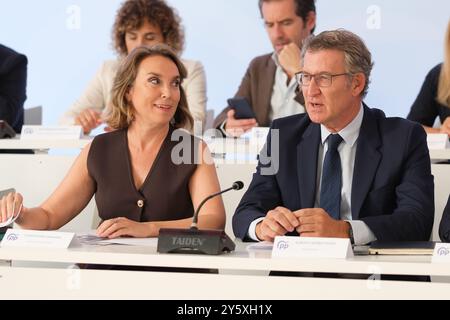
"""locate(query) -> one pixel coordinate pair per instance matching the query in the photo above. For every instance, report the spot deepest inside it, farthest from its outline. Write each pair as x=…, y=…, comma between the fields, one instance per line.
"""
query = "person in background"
x=444, y=227
x=13, y=83
x=144, y=188
x=433, y=100
x=138, y=22
x=269, y=83
x=342, y=170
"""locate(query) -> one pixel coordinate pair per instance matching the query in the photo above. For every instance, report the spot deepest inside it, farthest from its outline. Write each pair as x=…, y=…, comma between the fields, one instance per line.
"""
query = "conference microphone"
x=194, y=240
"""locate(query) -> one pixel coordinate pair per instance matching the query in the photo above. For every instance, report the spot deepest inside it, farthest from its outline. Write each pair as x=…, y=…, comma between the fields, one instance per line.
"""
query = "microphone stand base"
x=194, y=241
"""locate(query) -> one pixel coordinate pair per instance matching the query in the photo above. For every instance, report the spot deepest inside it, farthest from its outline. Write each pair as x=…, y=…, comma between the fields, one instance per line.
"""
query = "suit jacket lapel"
x=307, y=153
x=367, y=159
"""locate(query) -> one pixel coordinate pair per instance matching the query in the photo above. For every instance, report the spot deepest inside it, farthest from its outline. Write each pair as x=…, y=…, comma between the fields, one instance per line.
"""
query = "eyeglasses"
x=322, y=79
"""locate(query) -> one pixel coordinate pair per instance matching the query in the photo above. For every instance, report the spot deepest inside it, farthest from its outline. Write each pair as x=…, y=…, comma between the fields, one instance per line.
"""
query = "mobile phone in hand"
x=241, y=107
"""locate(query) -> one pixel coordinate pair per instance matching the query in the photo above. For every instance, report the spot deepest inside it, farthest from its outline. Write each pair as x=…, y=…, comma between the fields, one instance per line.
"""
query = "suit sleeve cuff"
x=361, y=233
x=252, y=229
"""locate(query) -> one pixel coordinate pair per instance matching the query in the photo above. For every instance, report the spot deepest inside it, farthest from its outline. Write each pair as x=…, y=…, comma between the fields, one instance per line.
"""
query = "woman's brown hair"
x=132, y=15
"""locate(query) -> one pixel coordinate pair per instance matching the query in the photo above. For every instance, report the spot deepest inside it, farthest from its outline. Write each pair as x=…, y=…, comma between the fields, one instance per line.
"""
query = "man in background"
x=269, y=83
x=13, y=81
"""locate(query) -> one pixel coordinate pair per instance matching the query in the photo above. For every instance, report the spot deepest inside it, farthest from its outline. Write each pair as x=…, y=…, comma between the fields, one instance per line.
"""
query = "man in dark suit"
x=343, y=169
x=13, y=80
x=444, y=227
x=269, y=83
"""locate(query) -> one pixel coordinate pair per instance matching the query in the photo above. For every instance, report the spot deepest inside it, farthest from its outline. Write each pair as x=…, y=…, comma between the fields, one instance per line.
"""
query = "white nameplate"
x=301, y=247
x=51, y=133
x=437, y=141
x=15, y=238
x=260, y=133
x=259, y=137
x=441, y=253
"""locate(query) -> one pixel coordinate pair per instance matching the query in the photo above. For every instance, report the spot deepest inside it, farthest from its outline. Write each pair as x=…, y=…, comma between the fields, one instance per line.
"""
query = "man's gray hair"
x=358, y=58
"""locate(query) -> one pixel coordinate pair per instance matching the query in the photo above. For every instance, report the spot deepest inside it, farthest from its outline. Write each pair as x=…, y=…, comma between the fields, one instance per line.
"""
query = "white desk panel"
x=441, y=173
x=241, y=259
x=18, y=283
x=440, y=154
x=36, y=177
x=18, y=144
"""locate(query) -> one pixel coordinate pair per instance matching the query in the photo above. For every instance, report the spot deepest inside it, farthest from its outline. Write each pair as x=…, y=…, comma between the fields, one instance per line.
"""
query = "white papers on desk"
x=89, y=239
x=142, y=242
x=92, y=239
x=260, y=246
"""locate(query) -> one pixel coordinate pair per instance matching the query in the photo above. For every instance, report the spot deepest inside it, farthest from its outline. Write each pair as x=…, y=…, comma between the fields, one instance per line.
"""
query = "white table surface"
x=241, y=259
x=32, y=283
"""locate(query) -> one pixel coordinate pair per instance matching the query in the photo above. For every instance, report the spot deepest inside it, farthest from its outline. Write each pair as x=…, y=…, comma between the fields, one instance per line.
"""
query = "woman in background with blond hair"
x=434, y=98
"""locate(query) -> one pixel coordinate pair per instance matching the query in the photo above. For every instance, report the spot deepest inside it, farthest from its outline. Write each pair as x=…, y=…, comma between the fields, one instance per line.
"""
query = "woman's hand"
x=89, y=119
x=10, y=206
x=445, y=128
x=123, y=227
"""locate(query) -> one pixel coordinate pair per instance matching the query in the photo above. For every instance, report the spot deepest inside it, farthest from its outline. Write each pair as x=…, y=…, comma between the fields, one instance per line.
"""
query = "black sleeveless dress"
x=163, y=196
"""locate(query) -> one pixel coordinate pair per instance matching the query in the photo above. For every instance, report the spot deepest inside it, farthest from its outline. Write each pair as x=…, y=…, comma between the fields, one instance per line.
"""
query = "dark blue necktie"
x=330, y=190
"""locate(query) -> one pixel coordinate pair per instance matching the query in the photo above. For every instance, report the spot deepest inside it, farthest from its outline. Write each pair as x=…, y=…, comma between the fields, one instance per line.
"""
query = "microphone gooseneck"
x=237, y=185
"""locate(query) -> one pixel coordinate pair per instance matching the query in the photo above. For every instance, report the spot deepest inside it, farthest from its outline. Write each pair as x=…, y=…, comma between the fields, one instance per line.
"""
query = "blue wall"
x=66, y=42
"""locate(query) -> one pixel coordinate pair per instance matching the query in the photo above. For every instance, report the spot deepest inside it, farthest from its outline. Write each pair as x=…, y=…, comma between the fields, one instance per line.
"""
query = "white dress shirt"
x=283, y=95
x=347, y=151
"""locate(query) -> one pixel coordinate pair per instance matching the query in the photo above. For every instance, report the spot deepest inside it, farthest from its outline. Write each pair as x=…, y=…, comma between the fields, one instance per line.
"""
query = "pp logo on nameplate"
x=28, y=131
x=441, y=253
x=12, y=237
x=283, y=245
